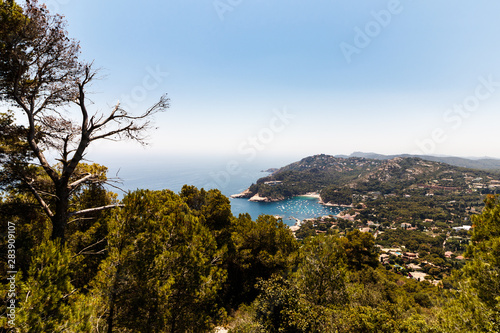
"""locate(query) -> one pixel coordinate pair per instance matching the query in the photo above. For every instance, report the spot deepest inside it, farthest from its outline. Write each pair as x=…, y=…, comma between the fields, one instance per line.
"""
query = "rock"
x=245, y=194
x=258, y=198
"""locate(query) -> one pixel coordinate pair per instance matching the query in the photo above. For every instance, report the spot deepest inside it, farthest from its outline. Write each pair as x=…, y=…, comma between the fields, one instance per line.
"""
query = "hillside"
x=480, y=163
x=357, y=175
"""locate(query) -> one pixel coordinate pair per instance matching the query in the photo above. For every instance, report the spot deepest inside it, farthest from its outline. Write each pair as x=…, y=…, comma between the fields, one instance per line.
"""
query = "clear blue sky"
x=381, y=76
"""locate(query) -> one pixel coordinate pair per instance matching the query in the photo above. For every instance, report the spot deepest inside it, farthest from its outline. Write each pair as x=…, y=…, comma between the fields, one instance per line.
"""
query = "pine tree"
x=162, y=273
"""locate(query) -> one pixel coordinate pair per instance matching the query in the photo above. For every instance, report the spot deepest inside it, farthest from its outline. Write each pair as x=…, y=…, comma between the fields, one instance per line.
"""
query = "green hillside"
x=407, y=189
x=323, y=173
x=491, y=164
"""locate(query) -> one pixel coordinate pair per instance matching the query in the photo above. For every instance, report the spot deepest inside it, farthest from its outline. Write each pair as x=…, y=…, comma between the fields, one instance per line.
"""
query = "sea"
x=230, y=177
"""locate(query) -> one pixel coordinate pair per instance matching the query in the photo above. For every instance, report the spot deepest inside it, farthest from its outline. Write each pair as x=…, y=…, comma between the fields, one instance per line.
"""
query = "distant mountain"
x=481, y=163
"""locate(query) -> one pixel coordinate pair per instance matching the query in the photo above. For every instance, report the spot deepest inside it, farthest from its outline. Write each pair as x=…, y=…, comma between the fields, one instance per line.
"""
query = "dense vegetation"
x=182, y=262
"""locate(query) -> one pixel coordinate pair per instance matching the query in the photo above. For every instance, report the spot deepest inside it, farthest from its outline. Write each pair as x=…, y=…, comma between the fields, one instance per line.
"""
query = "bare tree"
x=40, y=74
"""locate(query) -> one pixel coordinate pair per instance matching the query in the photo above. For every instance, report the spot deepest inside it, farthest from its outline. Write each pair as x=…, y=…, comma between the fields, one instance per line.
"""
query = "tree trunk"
x=61, y=216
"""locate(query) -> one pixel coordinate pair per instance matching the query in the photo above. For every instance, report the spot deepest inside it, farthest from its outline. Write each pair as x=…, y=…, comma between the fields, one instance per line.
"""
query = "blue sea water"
x=291, y=210
x=228, y=180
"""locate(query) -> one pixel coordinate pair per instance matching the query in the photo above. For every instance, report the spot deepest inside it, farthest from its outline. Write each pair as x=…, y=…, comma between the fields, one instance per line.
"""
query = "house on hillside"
x=464, y=227
x=384, y=258
x=273, y=182
x=410, y=255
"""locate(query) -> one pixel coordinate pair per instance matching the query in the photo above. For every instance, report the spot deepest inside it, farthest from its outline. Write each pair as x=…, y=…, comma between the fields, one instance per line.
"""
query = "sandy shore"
x=311, y=195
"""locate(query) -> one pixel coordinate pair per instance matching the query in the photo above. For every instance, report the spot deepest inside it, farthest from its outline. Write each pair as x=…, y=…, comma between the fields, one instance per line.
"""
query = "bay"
x=228, y=180
x=290, y=210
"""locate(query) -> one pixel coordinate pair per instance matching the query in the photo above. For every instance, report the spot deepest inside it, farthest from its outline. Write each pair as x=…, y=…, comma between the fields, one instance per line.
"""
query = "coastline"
x=257, y=198
x=298, y=204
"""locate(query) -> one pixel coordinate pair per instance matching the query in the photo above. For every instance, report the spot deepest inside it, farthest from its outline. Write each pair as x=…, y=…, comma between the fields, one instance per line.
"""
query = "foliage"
x=47, y=299
x=14, y=151
x=32, y=228
x=213, y=209
x=482, y=273
x=359, y=249
x=333, y=194
x=465, y=312
x=324, y=294
x=321, y=274
x=160, y=274
x=260, y=249
x=278, y=307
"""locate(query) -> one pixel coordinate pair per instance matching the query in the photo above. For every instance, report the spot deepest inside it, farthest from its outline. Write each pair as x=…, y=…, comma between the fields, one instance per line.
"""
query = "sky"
x=253, y=79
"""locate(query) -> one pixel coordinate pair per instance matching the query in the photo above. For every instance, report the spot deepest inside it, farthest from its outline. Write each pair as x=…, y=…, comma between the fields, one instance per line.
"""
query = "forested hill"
x=337, y=178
